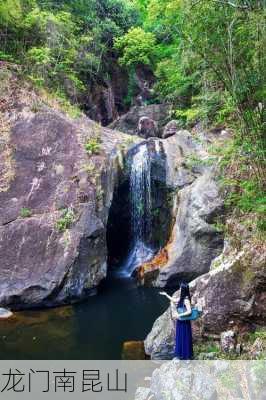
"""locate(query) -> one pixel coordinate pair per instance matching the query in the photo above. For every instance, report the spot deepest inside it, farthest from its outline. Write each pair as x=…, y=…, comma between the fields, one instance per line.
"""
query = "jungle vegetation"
x=207, y=58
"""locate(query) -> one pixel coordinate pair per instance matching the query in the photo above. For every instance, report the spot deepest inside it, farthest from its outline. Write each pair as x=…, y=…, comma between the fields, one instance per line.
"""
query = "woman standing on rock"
x=182, y=307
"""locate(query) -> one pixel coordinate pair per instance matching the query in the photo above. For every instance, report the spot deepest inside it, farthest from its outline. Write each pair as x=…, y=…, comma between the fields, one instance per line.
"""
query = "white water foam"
x=140, y=201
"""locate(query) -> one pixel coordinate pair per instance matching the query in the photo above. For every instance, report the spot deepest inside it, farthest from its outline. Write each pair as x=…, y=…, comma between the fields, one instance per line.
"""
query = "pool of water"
x=94, y=329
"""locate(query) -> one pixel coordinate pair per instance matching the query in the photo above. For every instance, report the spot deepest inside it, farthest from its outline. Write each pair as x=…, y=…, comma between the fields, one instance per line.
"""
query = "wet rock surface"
x=159, y=216
x=133, y=350
x=193, y=240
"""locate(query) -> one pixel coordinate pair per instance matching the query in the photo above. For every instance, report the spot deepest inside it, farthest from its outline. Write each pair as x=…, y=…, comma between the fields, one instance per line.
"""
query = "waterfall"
x=140, y=203
x=140, y=195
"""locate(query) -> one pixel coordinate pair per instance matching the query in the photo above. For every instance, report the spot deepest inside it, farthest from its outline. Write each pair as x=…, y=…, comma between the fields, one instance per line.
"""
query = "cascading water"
x=140, y=195
x=140, y=202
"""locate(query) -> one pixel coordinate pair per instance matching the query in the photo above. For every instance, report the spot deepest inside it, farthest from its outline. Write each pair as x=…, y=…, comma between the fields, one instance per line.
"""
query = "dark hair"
x=184, y=292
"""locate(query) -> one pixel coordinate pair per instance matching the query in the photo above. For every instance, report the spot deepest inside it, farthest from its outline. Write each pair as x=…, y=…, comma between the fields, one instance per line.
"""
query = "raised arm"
x=173, y=299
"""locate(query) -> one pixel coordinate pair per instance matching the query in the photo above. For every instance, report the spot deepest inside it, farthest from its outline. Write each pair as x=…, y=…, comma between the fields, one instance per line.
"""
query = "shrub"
x=65, y=221
x=93, y=145
x=25, y=212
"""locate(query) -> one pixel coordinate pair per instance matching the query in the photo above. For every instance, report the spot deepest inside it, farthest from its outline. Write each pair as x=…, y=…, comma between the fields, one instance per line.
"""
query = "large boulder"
x=194, y=240
x=57, y=182
x=232, y=294
x=147, y=128
x=129, y=122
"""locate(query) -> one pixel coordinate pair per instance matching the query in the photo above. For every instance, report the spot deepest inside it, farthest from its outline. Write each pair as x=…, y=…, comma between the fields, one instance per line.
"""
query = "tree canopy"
x=207, y=57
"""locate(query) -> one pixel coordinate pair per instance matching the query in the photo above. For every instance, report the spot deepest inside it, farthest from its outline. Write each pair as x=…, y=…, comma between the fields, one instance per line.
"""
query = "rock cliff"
x=232, y=294
x=194, y=240
x=57, y=180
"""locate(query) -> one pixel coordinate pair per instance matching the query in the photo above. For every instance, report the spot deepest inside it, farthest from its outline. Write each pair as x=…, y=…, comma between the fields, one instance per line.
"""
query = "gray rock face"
x=53, y=210
x=232, y=295
x=194, y=241
x=170, y=129
x=128, y=122
x=160, y=342
x=205, y=380
x=185, y=158
x=177, y=381
x=104, y=100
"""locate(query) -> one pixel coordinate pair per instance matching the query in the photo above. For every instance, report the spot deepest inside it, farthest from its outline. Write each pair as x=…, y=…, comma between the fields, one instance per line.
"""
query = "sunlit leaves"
x=137, y=46
x=10, y=12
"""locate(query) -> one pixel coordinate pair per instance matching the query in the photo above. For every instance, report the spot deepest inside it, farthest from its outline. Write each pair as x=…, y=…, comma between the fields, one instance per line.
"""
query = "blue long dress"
x=183, y=340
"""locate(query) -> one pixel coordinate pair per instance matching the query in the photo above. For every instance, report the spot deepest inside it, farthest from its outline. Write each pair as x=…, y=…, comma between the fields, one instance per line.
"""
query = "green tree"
x=64, y=45
x=137, y=47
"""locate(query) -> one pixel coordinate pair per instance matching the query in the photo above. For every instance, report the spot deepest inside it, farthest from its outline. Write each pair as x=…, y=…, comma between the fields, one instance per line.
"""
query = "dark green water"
x=95, y=329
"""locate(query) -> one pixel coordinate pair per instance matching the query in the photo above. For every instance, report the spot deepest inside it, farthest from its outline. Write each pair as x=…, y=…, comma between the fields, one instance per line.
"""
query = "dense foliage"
x=209, y=61
x=64, y=45
x=208, y=57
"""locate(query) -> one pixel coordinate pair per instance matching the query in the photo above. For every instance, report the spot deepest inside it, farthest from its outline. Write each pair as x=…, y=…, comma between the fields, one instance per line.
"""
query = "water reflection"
x=95, y=329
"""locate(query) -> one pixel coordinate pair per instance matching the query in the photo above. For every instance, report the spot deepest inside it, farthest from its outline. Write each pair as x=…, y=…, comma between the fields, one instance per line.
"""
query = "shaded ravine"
x=140, y=217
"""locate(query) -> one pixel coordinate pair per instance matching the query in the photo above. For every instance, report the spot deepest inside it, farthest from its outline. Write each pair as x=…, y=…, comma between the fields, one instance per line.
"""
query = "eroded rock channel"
x=141, y=215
